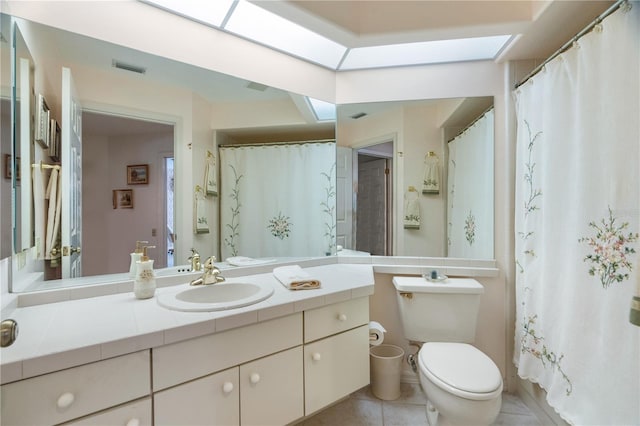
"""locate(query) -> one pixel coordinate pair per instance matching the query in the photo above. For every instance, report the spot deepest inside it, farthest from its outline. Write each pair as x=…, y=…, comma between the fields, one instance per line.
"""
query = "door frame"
x=394, y=176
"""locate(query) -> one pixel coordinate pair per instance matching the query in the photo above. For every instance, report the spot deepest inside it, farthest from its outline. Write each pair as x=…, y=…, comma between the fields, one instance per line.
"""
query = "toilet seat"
x=460, y=369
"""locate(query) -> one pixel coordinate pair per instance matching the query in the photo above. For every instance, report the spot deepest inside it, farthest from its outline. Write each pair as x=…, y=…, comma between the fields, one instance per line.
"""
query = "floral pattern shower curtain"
x=577, y=222
x=278, y=200
x=470, y=189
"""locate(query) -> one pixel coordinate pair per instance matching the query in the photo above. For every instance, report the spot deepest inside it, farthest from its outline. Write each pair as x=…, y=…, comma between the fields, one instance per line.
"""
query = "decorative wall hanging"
x=42, y=122
x=138, y=174
x=123, y=198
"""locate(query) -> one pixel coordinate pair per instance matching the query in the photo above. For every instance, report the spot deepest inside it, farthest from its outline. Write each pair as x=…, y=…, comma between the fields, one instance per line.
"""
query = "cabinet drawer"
x=334, y=367
x=191, y=359
x=336, y=318
x=75, y=392
x=136, y=413
x=211, y=400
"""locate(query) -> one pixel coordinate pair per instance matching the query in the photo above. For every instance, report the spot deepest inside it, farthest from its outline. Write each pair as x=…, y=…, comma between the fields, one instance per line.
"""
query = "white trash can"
x=386, y=368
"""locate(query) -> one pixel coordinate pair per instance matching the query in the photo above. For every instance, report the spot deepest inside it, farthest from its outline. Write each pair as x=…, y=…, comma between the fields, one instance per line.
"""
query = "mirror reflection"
x=422, y=176
x=6, y=239
x=151, y=130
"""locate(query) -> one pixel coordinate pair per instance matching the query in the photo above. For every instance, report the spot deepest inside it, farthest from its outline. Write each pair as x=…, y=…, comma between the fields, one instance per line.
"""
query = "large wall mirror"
x=422, y=176
x=165, y=121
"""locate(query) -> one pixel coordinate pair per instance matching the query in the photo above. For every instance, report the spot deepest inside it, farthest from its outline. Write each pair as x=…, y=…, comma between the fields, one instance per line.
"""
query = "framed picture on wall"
x=138, y=174
x=42, y=122
x=123, y=198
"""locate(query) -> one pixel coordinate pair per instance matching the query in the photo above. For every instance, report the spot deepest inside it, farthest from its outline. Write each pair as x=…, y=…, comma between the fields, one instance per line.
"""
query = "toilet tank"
x=438, y=311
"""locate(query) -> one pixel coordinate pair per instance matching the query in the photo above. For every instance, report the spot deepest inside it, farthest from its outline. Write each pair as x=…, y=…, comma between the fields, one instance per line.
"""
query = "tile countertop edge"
x=358, y=282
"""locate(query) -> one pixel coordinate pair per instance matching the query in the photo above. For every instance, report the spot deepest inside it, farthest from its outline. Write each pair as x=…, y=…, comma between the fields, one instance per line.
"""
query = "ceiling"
x=539, y=28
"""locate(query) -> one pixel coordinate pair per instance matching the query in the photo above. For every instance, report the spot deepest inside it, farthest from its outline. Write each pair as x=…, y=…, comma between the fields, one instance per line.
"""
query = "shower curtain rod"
x=575, y=38
x=468, y=126
x=242, y=145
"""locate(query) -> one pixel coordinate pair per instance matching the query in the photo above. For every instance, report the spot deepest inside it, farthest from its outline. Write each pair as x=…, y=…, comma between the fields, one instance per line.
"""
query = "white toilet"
x=463, y=385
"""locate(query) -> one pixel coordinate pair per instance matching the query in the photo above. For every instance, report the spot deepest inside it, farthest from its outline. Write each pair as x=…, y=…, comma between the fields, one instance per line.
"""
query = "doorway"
x=374, y=199
x=111, y=144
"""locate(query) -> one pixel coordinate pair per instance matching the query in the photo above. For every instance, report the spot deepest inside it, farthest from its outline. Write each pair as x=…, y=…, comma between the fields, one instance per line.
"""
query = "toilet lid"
x=460, y=366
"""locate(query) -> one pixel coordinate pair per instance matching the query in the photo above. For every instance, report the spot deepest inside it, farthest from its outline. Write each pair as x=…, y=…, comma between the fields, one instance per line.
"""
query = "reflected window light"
x=324, y=111
x=257, y=24
x=208, y=12
x=430, y=52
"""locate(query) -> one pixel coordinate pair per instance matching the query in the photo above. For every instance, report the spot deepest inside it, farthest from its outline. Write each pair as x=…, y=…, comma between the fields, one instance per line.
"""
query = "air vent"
x=358, y=115
x=129, y=67
x=257, y=86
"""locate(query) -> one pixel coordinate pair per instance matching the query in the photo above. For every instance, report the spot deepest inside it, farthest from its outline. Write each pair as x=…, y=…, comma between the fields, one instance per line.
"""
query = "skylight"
x=429, y=52
x=324, y=111
x=207, y=12
x=250, y=21
x=262, y=26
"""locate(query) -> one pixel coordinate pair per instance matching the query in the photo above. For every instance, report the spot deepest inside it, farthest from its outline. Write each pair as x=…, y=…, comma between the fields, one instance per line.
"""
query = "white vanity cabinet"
x=70, y=394
x=336, y=362
x=211, y=400
x=271, y=389
x=262, y=383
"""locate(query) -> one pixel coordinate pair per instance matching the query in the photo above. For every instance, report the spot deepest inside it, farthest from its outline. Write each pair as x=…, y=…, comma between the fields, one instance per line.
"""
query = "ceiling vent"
x=358, y=115
x=129, y=67
x=257, y=86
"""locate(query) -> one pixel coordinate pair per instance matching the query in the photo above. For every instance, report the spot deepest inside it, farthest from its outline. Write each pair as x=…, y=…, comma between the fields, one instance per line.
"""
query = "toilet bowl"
x=463, y=385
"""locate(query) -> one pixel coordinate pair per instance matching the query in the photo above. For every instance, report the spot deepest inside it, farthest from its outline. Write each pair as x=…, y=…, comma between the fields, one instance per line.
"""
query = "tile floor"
x=362, y=408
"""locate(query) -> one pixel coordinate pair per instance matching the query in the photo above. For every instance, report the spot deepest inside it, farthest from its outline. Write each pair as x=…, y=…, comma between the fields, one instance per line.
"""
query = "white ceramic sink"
x=215, y=297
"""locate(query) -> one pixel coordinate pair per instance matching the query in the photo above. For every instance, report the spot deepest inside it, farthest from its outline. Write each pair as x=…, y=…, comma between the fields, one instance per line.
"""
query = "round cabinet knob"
x=255, y=378
x=75, y=250
x=316, y=356
x=133, y=422
x=227, y=387
x=342, y=317
x=65, y=400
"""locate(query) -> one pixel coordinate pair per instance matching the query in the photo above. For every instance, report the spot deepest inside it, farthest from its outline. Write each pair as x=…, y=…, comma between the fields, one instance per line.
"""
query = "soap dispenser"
x=144, y=285
x=135, y=256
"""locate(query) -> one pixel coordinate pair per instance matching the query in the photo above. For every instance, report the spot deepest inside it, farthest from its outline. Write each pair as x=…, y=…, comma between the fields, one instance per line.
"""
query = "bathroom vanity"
x=269, y=363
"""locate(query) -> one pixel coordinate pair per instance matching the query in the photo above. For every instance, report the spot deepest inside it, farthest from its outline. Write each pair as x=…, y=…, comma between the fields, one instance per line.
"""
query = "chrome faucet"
x=195, y=261
x=211, y=274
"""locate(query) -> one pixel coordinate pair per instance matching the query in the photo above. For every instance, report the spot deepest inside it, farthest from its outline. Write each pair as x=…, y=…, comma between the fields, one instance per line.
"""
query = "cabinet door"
x=272, y=389
x=334, y=367
x=211, y=400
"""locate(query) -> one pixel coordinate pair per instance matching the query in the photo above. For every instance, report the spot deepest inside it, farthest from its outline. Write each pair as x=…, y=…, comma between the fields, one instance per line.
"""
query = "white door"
x=344, y=197
x=71, y=172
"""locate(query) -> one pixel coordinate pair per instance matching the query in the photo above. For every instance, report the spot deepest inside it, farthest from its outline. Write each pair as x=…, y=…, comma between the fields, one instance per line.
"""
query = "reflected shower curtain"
x=470, y=190
x=278, y=200
x=577, y=222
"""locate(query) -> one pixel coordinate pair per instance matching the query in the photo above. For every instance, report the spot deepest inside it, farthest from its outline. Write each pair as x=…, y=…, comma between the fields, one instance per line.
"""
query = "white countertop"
x=67, y=333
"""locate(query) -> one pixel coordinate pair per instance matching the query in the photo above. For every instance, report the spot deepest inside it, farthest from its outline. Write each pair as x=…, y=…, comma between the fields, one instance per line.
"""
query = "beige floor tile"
x=395, y=414
x=508, y=419
x=351, y=412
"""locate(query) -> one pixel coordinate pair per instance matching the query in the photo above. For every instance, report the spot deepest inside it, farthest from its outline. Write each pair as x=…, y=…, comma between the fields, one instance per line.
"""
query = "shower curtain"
x=577, y=222
x=470, y=192
x=278, y=200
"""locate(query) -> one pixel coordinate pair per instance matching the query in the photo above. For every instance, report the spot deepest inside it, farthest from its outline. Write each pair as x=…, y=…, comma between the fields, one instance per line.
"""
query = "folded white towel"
x=295, y=278
x=247, y=261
